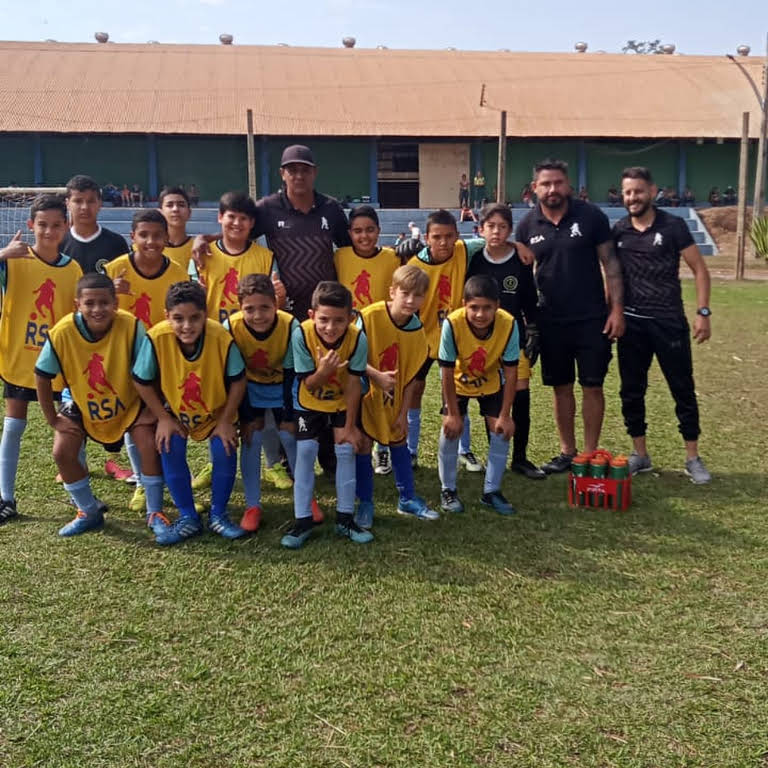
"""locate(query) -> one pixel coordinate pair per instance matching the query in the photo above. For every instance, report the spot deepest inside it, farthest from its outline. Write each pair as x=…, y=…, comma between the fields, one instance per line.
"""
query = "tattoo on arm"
x=612, y=268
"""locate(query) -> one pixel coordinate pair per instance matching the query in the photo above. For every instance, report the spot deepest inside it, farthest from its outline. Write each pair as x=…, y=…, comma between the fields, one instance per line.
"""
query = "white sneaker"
x=470, y=462
x=697, y=471
x=383, y=465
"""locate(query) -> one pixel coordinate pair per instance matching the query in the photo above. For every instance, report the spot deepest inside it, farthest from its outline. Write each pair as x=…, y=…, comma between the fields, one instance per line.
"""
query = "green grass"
x=560, y=637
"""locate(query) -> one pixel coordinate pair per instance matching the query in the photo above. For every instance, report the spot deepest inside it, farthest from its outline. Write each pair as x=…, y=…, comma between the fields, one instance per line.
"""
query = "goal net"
x=14, y=210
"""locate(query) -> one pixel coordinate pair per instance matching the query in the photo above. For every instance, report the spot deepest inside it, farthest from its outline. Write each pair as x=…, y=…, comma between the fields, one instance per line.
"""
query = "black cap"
x=297, y=153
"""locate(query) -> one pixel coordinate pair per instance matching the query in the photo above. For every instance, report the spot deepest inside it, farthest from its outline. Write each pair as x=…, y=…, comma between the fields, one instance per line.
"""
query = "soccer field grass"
x=558, y=637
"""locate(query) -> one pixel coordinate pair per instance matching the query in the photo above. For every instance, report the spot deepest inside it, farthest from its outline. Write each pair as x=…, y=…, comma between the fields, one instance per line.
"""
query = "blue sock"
x=345, y=477
x=81, y=456
x=82, y=495
x=133, y=457
x=250, y=469
x=401, y=466
x=288, y=439
x=10, y=445
x=177, y=477
x=447, y=460
x=498, y=448
x=223, y=479
x=304, y=477
x=414, y=430
x=364, y=477
x=153, y=486
x=465, y=445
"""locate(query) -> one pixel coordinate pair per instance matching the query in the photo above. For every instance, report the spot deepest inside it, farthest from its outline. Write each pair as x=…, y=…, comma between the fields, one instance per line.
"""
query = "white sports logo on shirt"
x=536, y=239
x=323, y=223
x=302, y=424
x=658, y=239
x=575, y=231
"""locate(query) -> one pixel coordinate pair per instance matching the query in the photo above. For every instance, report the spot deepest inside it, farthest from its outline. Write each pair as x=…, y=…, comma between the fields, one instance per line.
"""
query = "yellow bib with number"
x=195, y=389
x=146, y=301
x=263, y=357
x=390, y=348
x=368, y=279
x=328, y=398
x=222, y=273
x=98, y=374
x=446, y=288
x=36, y=296
x=478, y=361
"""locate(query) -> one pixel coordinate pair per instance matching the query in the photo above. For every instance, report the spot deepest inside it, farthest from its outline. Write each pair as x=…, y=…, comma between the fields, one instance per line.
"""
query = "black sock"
x=521, y=415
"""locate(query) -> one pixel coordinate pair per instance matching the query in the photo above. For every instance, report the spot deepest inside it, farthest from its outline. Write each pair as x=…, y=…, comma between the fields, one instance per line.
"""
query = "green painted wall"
x=711, y=164
x=216, y=164
x=343, y=164
x=606, y=161
x=117, y=159
x=17, y=159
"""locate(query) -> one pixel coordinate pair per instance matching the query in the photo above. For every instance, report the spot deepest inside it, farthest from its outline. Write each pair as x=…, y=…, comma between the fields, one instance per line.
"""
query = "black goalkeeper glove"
x=532, y=343
x=408, y=248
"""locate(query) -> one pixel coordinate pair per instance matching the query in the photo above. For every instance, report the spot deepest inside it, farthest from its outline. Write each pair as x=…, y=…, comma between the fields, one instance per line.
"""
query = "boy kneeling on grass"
x=397, y=350
x=192, y=364
x=93, y=349
x=476, y=342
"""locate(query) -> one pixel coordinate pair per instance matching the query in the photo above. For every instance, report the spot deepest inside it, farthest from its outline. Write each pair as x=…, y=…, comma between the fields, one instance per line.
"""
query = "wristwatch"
x=704, y=311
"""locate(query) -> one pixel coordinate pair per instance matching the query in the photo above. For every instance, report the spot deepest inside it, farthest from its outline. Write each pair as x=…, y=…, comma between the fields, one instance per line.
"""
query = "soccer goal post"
x=14, y=210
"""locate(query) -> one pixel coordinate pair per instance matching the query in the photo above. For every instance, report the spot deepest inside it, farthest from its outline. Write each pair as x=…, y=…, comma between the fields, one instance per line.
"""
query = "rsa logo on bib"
x=101, y=406
x=42, y=318
x=192, y=402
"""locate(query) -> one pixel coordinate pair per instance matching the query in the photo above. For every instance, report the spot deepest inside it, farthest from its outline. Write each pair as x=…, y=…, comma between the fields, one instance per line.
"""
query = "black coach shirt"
x=303, y=243
x=93, y=253
x=568, y=273
x=650, y=265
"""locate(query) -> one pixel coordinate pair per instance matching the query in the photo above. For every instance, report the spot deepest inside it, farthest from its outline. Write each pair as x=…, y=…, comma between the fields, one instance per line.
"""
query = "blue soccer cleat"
x=82, y=524
x=222, y=525
x=417, y=507
x=157, y=522
x=495, y=500
x=346, y=526
x=179, y=530
x=364, y=514
x=298, y=535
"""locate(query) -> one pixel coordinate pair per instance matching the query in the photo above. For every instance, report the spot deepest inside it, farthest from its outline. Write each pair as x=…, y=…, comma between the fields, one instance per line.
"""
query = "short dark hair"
x=255, y=283
x=95, y=281
x=637, y=172
x=481, y=287
x=549, y=164
x=367, y=211
x=496, y=209
x=172, y=191
x=238, y=202
x=329, y=293
x=81, y=183
x=185, y=292
x=148, y=216
x=441, y=217
x=48, y=202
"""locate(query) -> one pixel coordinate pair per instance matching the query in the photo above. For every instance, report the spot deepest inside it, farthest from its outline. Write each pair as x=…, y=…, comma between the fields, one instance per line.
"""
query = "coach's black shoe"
x=559, y=463
x=7, y=511
x=528, y=468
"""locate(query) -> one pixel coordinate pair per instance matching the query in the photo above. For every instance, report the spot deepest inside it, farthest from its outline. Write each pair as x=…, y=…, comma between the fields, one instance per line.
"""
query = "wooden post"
x=251, y=156
x=757, y=208
x=741, y=217
x=501, y=179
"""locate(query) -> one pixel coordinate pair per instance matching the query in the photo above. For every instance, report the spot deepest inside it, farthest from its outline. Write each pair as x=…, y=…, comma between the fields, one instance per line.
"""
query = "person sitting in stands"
x=125, y=195
x=714, y=196
x=583, y=194
x=467, y=214
x=137, y=196
x=194, y=194
x=673, y=198
x=729, y=196
x=613, y=196
x=688, y=197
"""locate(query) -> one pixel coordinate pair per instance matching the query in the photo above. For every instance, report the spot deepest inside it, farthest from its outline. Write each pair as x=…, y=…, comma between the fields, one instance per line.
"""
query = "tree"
x=642, y=46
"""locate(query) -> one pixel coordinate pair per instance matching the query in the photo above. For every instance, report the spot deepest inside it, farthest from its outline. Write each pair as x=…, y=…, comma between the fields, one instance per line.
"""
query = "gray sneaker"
x=638, y=463
x=697, y=471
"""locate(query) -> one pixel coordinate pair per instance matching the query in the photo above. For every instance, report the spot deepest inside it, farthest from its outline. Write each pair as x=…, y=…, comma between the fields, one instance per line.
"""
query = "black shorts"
x=582, y=343
x=490, y=405
x=422, y=373
x=27, y=394
x=69, y=410
x=248, y=413
x=310, y=425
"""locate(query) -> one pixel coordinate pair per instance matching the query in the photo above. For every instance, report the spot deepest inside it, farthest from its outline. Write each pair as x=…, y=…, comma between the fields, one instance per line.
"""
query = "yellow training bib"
x=180, y=254
x=367, y=278
x=478, y=361
x=222, y=273
x=146, y=301
x=263, y=357
x=390, y=348
x=98, y=374
x=194, y=389
x=446, y=288
x=330, y=397
x=37, y=295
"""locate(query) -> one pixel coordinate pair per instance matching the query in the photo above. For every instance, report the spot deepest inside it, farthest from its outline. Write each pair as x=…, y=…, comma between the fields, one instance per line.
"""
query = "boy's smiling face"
x=330, y=322
x=98, y=307
x=236, y=227
x=150, y=237
x=364, y=233
x=187, y=321
x=258, y=312
x=480, y=312
x=49, y=228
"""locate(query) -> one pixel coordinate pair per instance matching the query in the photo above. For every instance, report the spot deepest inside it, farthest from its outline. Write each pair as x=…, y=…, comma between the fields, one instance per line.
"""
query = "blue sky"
x=486, y=25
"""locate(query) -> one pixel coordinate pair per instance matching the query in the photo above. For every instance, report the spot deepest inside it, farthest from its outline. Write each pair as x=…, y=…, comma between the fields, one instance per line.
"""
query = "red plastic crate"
x=600, y=492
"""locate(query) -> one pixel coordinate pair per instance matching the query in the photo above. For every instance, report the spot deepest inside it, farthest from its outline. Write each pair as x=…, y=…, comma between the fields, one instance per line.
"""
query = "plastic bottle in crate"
x=598, y=468
x=579, y=468
x=619, y=471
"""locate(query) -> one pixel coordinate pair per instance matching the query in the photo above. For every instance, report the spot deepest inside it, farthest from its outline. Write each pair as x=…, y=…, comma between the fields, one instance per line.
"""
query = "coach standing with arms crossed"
x=649, y=243
x=569, y=240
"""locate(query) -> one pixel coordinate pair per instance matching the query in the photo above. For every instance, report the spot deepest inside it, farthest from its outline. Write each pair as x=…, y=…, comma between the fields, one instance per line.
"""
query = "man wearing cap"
x=301, y=227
